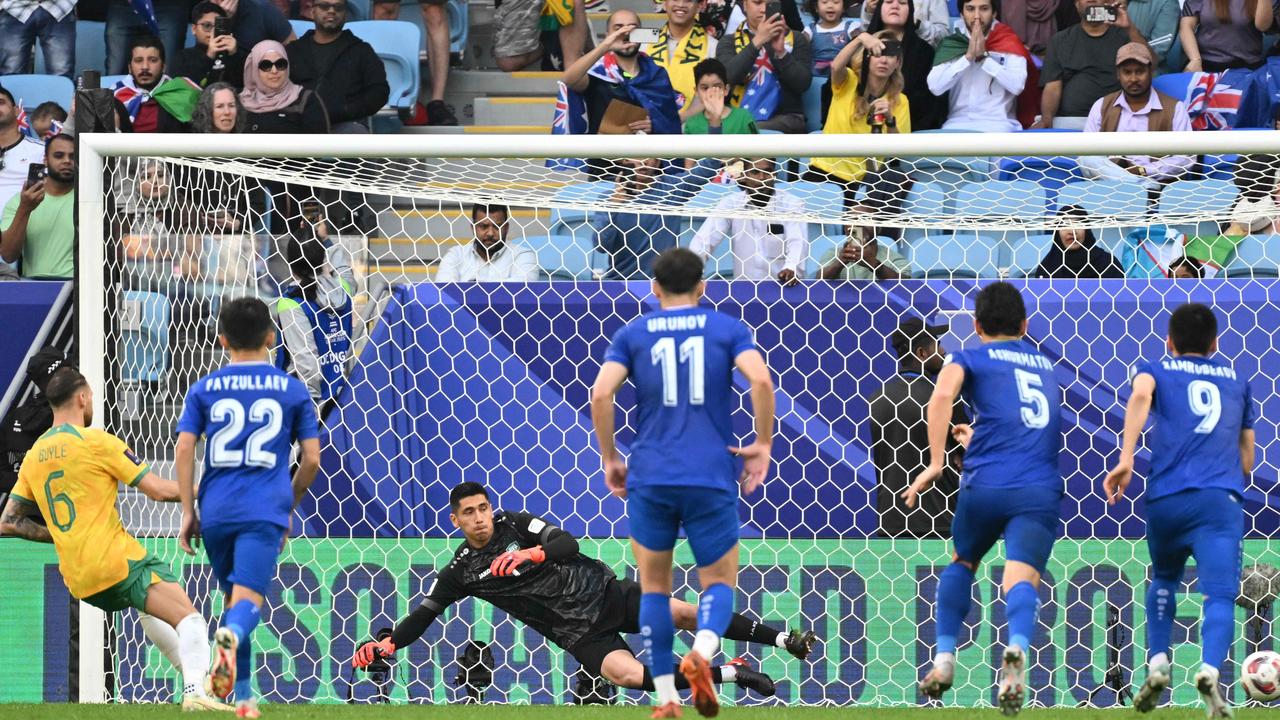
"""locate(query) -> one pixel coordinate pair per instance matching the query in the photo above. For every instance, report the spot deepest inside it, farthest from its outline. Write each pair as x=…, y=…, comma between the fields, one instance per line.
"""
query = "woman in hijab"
x=1074, y=253
x=275, y=104
x=928, y=111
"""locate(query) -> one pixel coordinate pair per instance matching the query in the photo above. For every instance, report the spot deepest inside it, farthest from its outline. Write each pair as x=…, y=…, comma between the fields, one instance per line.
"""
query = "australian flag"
x=570, y=118
x=761, y=96
x=1213, y=99
x=24, y=122
x=146, y=10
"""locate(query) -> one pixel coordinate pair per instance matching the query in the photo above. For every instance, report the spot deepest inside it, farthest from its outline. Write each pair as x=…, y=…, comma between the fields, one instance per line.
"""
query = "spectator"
x=52, y=22
x=124, y=25
x=25, y=423
x=829, y=33
x=216, y=56
x=682, y=45
x=517, y=27
x=490, y=257
x=435, y=19
x=48, y=119
x=1079, y=68
x=340, y=67
x=1228, y=37
x=253, y=21
x=774, y=62
x=1186, y=268
x=17, y=151
x=761, y=249
x=984, y=68
x=219, y=111
x=633, y=240
x=315, y=317
x=153, y=101
x=1157, y=21
x=900, y=437
x=1034, y=21
x=861, y=257
x=932, y=23
x=1074, y=252
x=220, y=199
x=274, y=103
x=867, y=98
x=928, y=111
x=616, y=72
x=715, y=118
x=38, y=225
x=1137, y=108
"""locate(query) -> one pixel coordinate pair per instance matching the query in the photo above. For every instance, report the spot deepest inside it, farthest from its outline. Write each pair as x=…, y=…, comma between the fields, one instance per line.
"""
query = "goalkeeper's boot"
x=248, y=709
x=1153, y=687
x=222, y=676
x=697, y=671
x=1012, y=686
x=800, y=643
x=1215, y=706
x=669, y=710
x=939, y=679
x=752, y=679
x=198, y=702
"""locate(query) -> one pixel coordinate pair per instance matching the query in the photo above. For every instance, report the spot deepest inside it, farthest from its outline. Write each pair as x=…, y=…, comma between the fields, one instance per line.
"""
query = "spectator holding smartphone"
x=1224, y=34
x=1080, y=65
x=862, y=257
x=216, y=56
x=775, y=62
x=38, y=225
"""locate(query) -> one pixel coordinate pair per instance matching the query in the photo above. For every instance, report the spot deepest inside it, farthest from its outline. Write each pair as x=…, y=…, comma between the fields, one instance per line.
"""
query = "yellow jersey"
x=72, y=474
x=844, y=119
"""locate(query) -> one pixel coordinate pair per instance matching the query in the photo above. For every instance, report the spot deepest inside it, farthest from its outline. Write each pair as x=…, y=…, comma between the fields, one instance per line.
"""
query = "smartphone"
x=773, y=8
x=35, y=173
x=1100, y=13
x=644, y=36
x=221, y=26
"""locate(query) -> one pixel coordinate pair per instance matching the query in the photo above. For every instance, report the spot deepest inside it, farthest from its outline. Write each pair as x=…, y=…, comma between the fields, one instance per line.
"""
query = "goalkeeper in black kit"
x=533, y=570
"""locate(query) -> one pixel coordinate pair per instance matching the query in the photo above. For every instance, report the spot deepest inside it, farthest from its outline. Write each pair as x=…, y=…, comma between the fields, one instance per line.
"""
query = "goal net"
x=443, y=382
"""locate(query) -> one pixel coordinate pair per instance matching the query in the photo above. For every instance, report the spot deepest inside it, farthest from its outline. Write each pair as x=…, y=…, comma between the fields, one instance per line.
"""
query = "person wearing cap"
x=1137, y=107
x=900, y=441
x=862, y=257
x=1078, y=66
x=26, y=422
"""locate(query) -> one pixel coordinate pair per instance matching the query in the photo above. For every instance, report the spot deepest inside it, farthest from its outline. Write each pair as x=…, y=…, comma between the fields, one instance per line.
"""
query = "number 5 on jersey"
x=1030, y=393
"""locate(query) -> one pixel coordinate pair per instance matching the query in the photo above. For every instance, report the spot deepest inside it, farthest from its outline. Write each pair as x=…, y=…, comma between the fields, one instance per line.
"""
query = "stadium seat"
x=144, y=336
x=397, y=43
x=358, y=10
x=822, y=199
x=963, y=255
x=1256, y=256
x=927, y=200
x=301, y=27
x=1106, y=198
x=91, y=51
x=1022, y=257
x=950, y=171
x=459, y=12
x=1173, y=84
x=1011, y=198
x=1050, y=173
x=109, y=81
x=1213, y=198
x=569, y=220
x=31, y=90
x=813, y=104
x=563, y=257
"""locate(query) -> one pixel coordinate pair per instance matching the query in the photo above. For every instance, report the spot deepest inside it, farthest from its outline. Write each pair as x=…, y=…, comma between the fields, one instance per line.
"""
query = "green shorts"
x=131, y=592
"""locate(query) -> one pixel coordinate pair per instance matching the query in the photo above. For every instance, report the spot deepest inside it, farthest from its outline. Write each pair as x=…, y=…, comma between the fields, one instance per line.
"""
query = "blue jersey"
x=681, y=362
x=1200, y=407
x=1016, y=403
x=251, y=414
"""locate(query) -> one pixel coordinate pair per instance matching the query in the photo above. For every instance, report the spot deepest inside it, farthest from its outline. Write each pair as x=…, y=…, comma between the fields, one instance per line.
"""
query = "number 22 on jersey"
x=265, y=412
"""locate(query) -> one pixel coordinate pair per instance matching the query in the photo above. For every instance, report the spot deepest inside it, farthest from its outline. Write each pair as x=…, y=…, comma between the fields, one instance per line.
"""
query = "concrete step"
x=492, y=82
x=526, y=110
x=648, y=18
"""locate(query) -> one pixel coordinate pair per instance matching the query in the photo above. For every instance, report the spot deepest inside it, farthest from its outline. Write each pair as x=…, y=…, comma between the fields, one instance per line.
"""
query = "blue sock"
x=715, y=608
x=1216, y=629
x=659, y=631
x=241, y=619
x=1162, y=606
x=1022, y=604
x=244, y=670
x=955, y=595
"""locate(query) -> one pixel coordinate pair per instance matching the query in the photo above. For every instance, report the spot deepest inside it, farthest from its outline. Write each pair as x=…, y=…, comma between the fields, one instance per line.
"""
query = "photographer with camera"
x=216, y=56
x=781, y=77
x=1222, y=35
x=1080, y=65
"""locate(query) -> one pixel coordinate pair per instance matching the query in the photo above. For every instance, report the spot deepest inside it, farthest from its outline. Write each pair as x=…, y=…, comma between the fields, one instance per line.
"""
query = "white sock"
x=193, y=634
x=1211, y=670
x=781, y=640
x=665, y=685
x=944, y=658
x=162, y=635
x=706, y=643
x=728, y=673
x=1157, y=659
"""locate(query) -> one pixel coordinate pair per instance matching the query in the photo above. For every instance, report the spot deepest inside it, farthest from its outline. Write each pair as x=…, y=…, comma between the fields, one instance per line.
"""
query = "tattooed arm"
x=16, y=521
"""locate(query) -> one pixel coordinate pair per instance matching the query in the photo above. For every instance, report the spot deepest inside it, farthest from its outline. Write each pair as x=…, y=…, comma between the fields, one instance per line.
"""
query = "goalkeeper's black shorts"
x=621, y=614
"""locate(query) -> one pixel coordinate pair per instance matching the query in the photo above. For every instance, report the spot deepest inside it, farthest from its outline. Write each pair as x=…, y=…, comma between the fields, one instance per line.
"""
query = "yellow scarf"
x=690, y=50
x=741, y=39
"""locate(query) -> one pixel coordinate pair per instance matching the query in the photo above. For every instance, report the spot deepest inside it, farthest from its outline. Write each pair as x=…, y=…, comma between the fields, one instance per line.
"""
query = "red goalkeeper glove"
x=371, y=651
x=508, y=562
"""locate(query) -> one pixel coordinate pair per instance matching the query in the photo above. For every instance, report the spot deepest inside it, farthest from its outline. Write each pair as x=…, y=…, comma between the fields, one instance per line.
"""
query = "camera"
x=714, y=17
x=1101, y=13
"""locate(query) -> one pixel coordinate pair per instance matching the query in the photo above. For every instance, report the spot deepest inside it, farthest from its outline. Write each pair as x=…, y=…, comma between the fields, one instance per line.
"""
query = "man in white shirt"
x=17, y=151
x=489, y=258
x=763, y=248
x=1137, y=107
x=984, y=84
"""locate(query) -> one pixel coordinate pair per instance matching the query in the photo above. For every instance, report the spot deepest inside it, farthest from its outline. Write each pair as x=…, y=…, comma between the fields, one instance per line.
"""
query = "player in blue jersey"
x=1010, y=486
x=684, y=470
x=250, y=414
x=1202, y=448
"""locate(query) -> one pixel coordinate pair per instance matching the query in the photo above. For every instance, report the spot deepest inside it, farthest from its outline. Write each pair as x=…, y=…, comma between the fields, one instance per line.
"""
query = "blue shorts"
x=1027, y=518
x=243, y=554
x=1207, y=524
x=709, y=517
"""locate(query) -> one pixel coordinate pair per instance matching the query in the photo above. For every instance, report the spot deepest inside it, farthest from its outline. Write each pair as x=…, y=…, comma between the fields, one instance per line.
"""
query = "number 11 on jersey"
x=691, y=354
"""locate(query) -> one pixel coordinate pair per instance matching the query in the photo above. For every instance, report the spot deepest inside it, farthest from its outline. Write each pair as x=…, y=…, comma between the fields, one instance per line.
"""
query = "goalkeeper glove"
x=373, y=650
x=508, y=563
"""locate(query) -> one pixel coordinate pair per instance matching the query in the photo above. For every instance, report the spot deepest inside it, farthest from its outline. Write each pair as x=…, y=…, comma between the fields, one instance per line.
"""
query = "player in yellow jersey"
x=70, y=478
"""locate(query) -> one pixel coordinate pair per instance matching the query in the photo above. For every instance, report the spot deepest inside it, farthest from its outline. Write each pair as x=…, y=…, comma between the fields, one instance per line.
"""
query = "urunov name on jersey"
x=561, y=600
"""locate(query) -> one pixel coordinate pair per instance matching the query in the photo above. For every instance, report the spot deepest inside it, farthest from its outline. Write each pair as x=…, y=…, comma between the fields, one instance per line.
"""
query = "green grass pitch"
x=548, y=712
